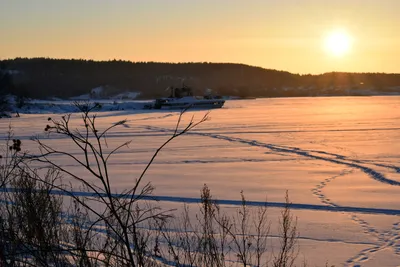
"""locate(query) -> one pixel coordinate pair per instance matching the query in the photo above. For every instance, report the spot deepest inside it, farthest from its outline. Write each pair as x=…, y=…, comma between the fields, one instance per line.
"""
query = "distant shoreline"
x=64, y=78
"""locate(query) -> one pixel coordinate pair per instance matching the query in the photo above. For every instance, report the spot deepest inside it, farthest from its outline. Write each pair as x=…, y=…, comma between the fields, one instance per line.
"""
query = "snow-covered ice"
x=339, y=157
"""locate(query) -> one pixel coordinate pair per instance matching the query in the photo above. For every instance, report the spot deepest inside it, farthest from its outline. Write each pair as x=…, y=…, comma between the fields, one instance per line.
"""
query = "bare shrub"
x=121, y=217
x=31, y=219
x=288, y=232
x=218, y=238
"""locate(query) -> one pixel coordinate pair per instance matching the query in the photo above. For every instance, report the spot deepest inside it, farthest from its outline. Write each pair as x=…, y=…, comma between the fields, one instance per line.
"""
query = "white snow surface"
x=35, y=106
x=338, y=157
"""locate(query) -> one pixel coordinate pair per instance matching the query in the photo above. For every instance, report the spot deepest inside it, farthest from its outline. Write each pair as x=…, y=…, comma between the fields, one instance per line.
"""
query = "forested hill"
x=44, y=77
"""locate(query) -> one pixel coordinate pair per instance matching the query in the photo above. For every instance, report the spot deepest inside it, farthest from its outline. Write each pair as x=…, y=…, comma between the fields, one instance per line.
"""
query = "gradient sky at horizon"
x=279, y=34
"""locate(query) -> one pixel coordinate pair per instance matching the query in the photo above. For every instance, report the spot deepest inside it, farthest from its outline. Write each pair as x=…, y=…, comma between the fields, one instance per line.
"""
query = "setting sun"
x=338, y=43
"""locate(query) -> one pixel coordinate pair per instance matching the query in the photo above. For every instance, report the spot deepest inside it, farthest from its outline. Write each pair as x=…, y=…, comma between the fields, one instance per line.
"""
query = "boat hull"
x=194, y=105
x=183, y=98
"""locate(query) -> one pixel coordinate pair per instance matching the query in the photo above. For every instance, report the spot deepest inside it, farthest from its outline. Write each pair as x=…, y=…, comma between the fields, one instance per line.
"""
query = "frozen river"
x=338, y=157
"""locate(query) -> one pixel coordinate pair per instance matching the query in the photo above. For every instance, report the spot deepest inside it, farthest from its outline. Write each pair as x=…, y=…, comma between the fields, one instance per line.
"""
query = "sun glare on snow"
x=338, y=43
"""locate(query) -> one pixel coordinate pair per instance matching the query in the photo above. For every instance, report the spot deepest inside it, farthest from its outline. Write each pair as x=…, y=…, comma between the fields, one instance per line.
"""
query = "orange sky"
x=279, y=34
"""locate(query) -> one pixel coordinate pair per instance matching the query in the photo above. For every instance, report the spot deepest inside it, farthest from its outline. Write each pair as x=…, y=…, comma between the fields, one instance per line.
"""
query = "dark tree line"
x=46, y=77
x=5, y=83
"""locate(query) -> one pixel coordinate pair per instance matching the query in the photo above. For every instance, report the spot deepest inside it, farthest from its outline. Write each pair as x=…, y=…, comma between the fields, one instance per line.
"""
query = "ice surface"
x=339, y=157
